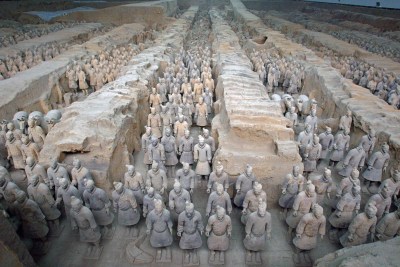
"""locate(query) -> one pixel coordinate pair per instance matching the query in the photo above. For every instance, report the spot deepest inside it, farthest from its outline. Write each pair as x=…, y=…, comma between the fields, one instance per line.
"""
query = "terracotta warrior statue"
x=311, y=156
x=72, y=79
x=202, y=156
x=154, y=121
x=218, y=198
x=14, y=151
x=345, y=210
x=209, y=140
x=36, y=133
x=304, y=139
x=190, y=230
x=146, y=142
x=354, y=159
x=64, y=194
x=393, y=184
x=8, y=191
x=326, y=140
x=218, y=231
x=218, y=176
x=244, y=183
x=301, y=206
x=347, y=183
x=177, y=200
x=382, y=201
x=155, y=100
x=258, y=230
x=166, y=118
x=17, y=132
x=345, y=121
x=157, y=153
x=40, y=193
x=148, y=201
x=97, y=200
x=341, y=145
x=201, y=113
x=33, y=168
x=56, y=172
x=310, y=225
x=377, y=165
x=171, y=151
x=389, y=226
x=180, y=126
x=323, y=185
x=82, y=219
x=134, y=181
x=186, y=147
x=312, y=120
x=292, y=185
x=159, y=227
x=359, y=228
x=157, y=179
x=79, y=174
x=81, y=75
x=187, y=111
x=292, y=116
x=125, y=205
x=368, y=142
x=33, y=221
x=251, y=201
x=186, y=177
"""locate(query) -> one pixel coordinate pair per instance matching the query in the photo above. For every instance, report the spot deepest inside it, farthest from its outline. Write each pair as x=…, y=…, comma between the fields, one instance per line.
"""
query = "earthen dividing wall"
x=334, y=93
x=250, y=128
x=148, y=13
x=104, y=130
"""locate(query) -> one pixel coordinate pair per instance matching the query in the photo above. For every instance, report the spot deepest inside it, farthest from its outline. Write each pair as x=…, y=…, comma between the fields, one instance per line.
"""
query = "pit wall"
x=334, y=93
x=249, y=127
x=148, y=13
x=105, y=129
x=34, y=89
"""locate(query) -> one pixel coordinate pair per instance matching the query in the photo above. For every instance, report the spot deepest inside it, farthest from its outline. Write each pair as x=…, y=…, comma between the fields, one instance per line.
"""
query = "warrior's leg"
x=221, y=256
x=212, y=255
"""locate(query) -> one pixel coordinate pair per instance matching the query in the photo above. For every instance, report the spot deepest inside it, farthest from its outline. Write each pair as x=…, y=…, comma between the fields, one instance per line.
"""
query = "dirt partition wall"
x=149, y=13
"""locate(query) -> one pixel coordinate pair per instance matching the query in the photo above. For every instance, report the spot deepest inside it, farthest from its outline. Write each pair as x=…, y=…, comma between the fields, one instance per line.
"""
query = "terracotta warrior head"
x=34, y=180
x=76, y=204
x=177, y=187
x=154, y=166
x=318, y=211
x=262, y=208
x=206, y=133
x=370, y=210
x=220, y=213
x=189, y=209
x=131, y=169
x=296, y=171
x=119, y=188
x=158, y=206
x=63, y=183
